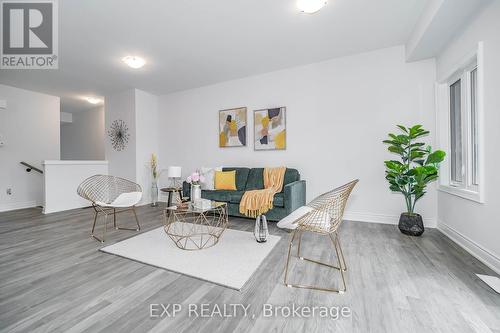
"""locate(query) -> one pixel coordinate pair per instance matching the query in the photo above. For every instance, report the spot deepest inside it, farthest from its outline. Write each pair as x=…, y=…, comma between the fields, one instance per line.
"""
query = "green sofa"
x=289, y=199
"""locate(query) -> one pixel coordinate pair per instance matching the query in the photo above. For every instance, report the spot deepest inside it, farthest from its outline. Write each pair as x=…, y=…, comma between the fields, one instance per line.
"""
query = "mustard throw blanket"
x=258, y=202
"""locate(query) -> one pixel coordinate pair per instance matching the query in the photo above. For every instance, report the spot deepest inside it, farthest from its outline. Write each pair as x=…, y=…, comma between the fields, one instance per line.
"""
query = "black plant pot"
x=411, y=224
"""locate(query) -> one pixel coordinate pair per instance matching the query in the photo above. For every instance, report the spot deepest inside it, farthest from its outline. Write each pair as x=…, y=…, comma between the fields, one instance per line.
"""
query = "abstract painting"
x=270, y=129
x=233, y=127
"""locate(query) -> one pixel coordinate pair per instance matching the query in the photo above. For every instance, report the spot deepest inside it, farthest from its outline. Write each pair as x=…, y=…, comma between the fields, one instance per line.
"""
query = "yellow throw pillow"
x=225, y=180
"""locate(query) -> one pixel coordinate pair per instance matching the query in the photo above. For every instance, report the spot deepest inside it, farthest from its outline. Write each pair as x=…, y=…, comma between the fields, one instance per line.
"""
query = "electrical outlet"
x=9, y=191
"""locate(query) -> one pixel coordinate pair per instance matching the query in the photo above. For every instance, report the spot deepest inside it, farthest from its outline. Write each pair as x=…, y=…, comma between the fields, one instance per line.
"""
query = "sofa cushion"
x=209, y=177
x=255, y=179
x=127, y=199
x=291, y=175
x=217, y=195
x=235, y=196
x=225, y=180
x=241, y=177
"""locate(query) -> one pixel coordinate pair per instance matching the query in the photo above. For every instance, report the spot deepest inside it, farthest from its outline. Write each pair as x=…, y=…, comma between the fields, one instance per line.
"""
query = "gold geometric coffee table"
x=193, y=228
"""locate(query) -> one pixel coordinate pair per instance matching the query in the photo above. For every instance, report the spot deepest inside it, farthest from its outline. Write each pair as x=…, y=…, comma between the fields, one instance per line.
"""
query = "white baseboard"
x=18, y=205
x=383, y=218
x=476, y=250
x=492, y=281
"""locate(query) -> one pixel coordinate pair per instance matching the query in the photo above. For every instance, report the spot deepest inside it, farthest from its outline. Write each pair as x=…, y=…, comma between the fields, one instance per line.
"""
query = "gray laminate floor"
x=53, y=279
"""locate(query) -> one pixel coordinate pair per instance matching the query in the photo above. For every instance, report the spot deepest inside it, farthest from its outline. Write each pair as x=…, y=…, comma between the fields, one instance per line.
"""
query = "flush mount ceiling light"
x=310, y=6
x=134, y=62
x=93, y=100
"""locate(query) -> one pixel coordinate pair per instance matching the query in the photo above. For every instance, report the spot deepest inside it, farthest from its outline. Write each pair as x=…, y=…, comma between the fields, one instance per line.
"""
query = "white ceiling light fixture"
x=310, y=6
x=134, y=62
x=93, y=100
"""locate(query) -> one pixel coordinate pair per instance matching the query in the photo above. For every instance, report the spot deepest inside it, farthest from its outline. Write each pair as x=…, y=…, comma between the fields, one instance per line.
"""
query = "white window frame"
x=465, y=189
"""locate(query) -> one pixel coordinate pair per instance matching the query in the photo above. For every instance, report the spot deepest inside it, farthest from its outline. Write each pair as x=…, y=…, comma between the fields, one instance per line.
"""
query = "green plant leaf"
x=404, y=139
x=396, y=150
x=435, y=157
x=401, y=127
x=394, y=188
x=414, y=130
x=420, y=133
x=393, y=165
x=416, y=154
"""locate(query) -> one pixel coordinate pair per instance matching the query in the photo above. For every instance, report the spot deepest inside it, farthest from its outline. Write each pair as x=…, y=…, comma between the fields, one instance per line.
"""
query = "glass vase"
x=261, y=232
x=154, y=194
x=195, y=193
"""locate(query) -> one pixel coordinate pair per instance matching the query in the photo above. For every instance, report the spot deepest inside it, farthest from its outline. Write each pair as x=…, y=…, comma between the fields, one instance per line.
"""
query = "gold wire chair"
x=324, y=218
x=110, y=195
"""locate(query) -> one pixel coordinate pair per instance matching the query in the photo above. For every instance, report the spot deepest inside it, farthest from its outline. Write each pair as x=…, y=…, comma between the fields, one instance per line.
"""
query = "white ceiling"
x=191, y=43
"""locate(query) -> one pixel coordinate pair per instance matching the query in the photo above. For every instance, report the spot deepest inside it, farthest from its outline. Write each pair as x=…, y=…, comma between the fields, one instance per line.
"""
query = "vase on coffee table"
x=195, y=192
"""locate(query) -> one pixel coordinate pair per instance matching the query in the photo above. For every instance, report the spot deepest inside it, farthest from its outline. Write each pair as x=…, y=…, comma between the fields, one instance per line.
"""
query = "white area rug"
x=230, y=263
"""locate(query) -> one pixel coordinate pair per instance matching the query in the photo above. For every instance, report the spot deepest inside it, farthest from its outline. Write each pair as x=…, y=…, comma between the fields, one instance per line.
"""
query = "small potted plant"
x=417, y=167
x=195, y=179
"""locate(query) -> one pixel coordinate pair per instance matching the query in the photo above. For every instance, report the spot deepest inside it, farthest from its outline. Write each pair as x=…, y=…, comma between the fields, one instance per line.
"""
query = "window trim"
x=464, y=189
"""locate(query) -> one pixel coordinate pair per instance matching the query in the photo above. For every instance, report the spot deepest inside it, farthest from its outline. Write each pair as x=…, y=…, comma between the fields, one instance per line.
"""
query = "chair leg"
x=298, y=245
x=312, y=260
x=131, y=229
x=114, y=218
x=290, y=243
x=93, y=225
x=336, y=246
x=343, y=265
x=136, y=219
x=104, y=230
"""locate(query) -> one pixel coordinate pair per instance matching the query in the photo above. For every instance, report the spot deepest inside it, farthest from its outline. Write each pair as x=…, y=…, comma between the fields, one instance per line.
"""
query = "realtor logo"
x=29, y=34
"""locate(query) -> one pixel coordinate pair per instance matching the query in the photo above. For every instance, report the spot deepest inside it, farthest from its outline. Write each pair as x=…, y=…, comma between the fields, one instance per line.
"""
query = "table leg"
x=169, y=201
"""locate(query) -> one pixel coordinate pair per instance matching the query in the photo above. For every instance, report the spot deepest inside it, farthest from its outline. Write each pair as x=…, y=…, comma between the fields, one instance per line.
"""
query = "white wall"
x=83, y=138
x=30, y=129
x=139, y=110
x=121, y=106
x=476, y=226
x=146, y=121
x=61, y=180
x=338, y=113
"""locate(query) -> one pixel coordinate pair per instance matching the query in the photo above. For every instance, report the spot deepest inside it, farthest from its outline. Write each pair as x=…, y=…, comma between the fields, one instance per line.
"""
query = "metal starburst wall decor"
x=119, y=135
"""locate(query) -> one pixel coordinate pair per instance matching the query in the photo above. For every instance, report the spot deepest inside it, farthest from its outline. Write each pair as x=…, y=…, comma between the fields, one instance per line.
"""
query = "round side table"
x=170, y=191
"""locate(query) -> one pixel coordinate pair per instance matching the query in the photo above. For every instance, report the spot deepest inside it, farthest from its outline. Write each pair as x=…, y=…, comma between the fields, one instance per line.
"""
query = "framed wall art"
x=270, y=129
x=233, y=127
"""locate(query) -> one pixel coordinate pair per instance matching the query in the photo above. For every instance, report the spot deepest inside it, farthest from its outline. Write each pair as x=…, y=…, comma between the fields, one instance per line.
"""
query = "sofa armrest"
x=186, y=189
x=295, y=195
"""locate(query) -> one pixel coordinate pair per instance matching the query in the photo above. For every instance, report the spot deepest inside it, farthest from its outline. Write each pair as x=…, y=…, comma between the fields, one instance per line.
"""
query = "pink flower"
x=188, y=179
x=195, y=177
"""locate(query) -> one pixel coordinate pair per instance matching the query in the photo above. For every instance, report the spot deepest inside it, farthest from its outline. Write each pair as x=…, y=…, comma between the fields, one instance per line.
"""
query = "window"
x=456, y=133
x=463, y=129
x=474, y=127
x=459, y=130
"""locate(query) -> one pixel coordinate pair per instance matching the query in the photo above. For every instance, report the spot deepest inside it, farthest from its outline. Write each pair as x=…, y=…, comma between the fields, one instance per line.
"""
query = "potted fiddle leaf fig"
x=417, y=166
